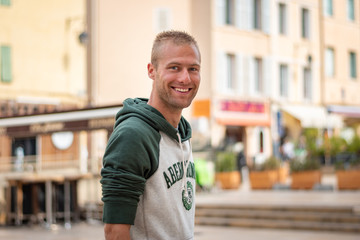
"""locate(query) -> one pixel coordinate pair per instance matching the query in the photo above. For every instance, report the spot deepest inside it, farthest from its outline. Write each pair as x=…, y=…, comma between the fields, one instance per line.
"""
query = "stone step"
x=326, y=218
x=278, y=224
x=280, y=215
x=273, y=207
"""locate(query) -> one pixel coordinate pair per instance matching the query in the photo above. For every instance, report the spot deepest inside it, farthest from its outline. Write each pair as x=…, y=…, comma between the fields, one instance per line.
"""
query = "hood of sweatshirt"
x=139, y=108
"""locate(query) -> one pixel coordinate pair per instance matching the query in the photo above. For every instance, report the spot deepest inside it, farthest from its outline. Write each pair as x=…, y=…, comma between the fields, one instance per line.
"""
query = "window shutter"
x=350, y=10
x=246, y=73
x=238, y=14
x=353, y=65
x=221, y=74
x=220, y=12
x=266, y=18
x=329, y=62
x=5, y=2
x=6, y=64
x=249, y=15
x=243, y=14
x=267, y=76
x=240, y=74
x=251, y=76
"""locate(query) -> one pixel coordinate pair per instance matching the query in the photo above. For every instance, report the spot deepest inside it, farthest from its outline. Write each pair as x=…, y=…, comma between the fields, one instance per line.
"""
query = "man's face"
x=176, y=77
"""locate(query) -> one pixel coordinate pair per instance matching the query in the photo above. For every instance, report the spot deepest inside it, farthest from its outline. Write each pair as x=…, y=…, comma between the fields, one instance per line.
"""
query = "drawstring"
x=184, y=166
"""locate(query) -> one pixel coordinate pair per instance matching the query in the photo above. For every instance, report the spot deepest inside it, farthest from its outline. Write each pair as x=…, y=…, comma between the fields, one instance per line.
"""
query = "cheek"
x=196, y=80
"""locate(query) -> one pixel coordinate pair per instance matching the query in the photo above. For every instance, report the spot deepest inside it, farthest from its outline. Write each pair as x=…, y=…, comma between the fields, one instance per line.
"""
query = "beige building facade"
x=263, y=69
x=341, y=50
x=42, y=59
x=270, y=68
x=42, y=70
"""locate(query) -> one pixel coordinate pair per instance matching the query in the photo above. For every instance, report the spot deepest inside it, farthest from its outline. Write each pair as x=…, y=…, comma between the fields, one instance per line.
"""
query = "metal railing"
x=38, y=163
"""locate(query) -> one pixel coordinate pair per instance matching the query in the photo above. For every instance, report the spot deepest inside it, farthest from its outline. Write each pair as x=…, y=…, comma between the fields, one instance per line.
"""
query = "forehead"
x=170, y=51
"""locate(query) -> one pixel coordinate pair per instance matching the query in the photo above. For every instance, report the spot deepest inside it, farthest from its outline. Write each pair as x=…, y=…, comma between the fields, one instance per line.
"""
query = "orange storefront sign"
x=201, y=108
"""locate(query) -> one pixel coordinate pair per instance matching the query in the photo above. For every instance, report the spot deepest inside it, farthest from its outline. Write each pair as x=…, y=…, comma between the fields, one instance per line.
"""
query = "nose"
x=185, y=76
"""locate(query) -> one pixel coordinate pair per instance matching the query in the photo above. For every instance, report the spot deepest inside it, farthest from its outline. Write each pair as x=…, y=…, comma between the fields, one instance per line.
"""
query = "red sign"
x=241, y=106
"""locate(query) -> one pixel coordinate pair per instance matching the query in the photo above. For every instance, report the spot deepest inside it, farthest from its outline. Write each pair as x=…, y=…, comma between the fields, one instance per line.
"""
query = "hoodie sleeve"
x=131, y=157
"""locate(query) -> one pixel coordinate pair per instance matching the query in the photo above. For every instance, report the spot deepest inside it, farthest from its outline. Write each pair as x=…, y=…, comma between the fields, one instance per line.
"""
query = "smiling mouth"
x=183, y=90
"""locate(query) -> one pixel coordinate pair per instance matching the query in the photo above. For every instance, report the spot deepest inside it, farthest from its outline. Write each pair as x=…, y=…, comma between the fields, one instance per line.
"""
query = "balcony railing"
x=38, y=163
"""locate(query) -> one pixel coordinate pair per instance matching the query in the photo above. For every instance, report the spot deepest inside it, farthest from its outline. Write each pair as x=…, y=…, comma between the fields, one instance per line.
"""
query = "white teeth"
x=182, y=90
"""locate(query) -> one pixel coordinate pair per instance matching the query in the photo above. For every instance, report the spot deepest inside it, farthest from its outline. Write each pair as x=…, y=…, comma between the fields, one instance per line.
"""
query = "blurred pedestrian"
x=288, y=150
x=148, y=174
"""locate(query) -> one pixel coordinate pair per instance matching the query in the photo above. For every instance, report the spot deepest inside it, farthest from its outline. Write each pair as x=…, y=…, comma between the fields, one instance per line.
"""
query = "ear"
x=151, y=71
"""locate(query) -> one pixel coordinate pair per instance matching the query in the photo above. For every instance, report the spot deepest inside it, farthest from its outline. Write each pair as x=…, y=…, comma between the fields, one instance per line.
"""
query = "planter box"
x=305, y=179
x=228, y=180
x=349, y=179
x=263, y=179
x=283, y=174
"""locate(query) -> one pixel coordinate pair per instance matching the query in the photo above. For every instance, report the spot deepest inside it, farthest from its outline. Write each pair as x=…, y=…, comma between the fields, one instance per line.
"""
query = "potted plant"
x=348, y=169
x=305, y=173
x=227, y=174
x=265, y=175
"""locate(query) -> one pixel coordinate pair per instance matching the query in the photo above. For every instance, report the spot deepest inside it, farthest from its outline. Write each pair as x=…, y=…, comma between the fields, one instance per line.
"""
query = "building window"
x=328, y=7
x=329, y=62
x=284, y=80
x=305, y=23
x=230, y=72
x=162, y=19
x=350, y=10
x=6, y=75
x=261, y=141
x=282, y=18
x=259, y=82
x=229, y=12
x=353, y=73
x=257, y=14
x=5, y=2
x=307, y=84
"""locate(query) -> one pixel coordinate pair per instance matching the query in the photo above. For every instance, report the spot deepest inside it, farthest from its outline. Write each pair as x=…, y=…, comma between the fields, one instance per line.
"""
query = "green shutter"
x=352, y=65
x=6, y=64
x=5, y=2
x=351, y=11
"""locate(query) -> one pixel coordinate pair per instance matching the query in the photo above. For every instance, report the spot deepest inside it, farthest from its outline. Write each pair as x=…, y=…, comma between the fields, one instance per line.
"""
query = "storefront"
x=245, y=122
x=43, y=157
x=350, y=114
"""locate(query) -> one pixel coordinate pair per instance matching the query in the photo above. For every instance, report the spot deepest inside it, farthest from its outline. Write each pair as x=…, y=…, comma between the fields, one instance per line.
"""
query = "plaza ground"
x=244, y=195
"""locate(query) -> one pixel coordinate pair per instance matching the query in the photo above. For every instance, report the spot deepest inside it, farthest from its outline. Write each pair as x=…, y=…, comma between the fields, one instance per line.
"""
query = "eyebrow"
x=177, y=63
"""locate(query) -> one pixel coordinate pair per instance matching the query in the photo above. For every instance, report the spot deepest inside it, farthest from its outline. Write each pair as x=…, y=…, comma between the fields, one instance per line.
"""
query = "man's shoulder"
x=134, y=126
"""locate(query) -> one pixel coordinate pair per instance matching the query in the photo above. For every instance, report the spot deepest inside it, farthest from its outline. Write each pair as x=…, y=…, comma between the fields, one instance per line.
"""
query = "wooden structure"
x=42, y=187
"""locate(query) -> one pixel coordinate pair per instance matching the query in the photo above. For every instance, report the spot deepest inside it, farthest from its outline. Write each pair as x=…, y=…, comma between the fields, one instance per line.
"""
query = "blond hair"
x=177, y=37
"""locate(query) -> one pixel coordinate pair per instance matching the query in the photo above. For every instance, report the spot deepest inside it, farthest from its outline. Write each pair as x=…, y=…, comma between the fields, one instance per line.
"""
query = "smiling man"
x=148, y=174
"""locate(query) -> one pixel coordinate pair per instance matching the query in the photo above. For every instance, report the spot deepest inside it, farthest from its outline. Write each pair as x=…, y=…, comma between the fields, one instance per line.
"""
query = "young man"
x=148, y=175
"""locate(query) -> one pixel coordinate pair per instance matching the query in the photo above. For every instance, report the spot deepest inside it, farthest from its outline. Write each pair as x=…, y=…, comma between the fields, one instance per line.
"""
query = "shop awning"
x=76, y=120
x=313, y=116
x=346, y=111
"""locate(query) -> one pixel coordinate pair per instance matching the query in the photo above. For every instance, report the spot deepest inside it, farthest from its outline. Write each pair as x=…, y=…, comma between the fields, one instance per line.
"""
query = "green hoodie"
x=143, y=173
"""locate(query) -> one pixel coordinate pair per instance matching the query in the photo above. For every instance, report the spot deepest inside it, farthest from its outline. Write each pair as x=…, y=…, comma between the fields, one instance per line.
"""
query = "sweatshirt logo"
x=175, y=173
x=188, y=196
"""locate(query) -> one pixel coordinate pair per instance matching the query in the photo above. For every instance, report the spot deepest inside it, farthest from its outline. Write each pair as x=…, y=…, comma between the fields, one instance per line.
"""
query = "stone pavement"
x=94, y=231
x=244, y=195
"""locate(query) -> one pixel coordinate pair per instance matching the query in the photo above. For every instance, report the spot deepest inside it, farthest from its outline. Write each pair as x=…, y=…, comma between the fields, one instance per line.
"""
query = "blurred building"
x=43, y=71
x=264, y=71
x=270, y=68
x=340, y=49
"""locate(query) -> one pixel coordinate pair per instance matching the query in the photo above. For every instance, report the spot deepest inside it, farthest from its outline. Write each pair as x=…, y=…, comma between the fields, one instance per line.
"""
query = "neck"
x=171, y=115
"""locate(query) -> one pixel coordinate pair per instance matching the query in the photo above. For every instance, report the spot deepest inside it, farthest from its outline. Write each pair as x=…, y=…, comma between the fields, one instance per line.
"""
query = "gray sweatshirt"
x=148, y=175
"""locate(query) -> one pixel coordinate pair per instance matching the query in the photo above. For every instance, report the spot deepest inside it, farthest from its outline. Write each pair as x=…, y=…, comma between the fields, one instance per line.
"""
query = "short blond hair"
x=177, y=37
